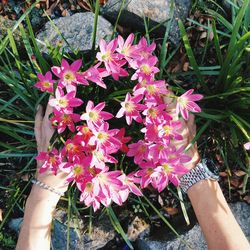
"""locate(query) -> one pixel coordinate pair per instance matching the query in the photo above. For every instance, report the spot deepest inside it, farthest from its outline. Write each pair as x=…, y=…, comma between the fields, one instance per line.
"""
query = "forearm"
x=215, y=217
x=36, y=228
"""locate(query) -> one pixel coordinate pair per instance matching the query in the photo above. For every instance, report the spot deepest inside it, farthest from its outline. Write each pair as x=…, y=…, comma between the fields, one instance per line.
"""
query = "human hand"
x=43, y=133
x=187, y=131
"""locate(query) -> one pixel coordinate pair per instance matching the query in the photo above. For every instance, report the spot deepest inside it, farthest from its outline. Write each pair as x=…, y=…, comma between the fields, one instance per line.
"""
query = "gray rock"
x=194, y=237
x=157, y=11
x=76, y=29
x=137, y=228
x=6, y=24
x=103, y=232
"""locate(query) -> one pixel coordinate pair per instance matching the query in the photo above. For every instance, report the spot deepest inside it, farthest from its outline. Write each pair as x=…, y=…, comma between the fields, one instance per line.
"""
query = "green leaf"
x=118, y=226
x=163, y=53
x=191, y=56
x=217, y=43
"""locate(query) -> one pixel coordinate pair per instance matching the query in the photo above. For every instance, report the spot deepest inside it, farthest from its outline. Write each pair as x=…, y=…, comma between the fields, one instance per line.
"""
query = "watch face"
x=213, y=168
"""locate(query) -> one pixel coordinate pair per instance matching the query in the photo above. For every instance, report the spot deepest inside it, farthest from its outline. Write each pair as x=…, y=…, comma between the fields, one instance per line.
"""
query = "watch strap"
x=200, y=172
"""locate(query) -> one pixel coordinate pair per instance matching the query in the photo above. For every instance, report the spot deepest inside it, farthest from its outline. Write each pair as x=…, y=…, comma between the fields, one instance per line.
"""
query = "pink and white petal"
x=76, y=65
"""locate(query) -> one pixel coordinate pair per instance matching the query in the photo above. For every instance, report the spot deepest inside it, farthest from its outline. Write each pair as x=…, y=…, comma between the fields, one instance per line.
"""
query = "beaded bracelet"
x=45, y=186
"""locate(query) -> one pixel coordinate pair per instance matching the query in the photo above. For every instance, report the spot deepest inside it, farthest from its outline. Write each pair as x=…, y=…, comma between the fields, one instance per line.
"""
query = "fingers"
x=191, y=126
x=48, y=129
x=48, y=111
x=38, y=126
x=171, y=105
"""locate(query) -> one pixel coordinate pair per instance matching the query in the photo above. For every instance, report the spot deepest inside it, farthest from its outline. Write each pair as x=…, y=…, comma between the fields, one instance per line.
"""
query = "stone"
x=6, y=24
x=194, y=237
x=77, y=30
x=137, y=228
x=157, y=11
x=102, y=233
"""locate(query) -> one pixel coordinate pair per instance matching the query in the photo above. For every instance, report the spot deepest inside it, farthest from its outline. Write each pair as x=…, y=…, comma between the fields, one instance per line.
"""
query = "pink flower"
x=169, y=130
x=168, y=171
x=247, y=146
x=159, y=151
x=69, y=75
x=62, y=121
x=72, y=148
x=126, y=48
x=147, y=174
x=145, y=51
x=130, y=108
x=129, y=181
x=100, y=158
x=156, y=114
x=84, y=133
x=96, y=74
x=104, y=138
x=77, y=169
x=139, y=151
x=112, y=62
x=52, y=161
x=123, y=139
x=64, y=102
x=88, y=196
x=186, y=102
x=94, y=114
x=152, y=88
x=46, y=82
x=108, y=183
x=146, y=69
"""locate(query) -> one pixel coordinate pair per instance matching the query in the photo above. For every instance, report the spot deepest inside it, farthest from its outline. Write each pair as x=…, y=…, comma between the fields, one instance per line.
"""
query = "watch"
x=206, y=169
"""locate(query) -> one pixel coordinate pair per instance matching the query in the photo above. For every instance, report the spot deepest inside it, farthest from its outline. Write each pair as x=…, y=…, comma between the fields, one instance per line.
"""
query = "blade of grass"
x=4, y=42
x=118, y=226
x=183, y=208
x=97, y=9
x=191, y=56
x=15, y=51
x=118, y=18
x=164, y=50
x=232, y=47
x=217, y=43
x=165, y=220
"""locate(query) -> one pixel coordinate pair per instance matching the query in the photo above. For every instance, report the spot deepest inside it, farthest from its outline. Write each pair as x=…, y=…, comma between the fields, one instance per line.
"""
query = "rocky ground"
x=138, y=232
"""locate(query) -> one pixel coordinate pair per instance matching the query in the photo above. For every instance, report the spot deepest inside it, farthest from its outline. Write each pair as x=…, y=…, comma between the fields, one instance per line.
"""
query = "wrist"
x=39, y=194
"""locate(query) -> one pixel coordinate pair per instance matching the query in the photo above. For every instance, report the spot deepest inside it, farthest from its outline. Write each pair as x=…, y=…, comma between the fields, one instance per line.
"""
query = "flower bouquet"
x=115, y=134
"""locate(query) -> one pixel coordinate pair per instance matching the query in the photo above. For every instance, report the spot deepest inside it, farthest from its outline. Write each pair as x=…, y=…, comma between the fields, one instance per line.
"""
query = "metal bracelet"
x=45, y=186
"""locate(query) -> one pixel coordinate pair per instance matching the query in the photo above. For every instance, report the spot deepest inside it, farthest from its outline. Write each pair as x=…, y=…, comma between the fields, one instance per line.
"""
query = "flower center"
x=129, y=106
x=66, y=118
x=46, y=84
x=78, y=170
x=94, y=116
x=182, y=101
x=107, y=56
x=69, y=76
x=52, y=160
x=125, y=50
x=102, y=136
x=167, y=129
x=152, y=89
x=142, y=148
x=153, y=112
x=145, y=69
x=168, y=169
x=63, y=103
x=89, y=187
